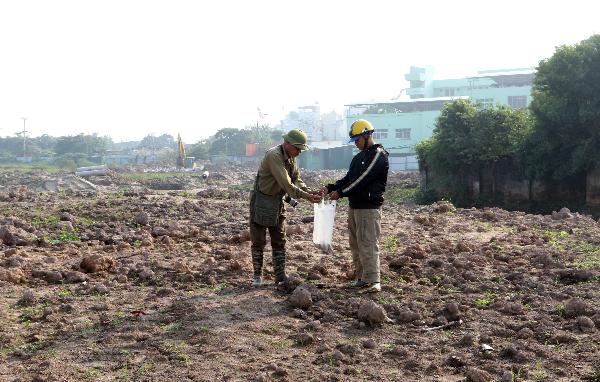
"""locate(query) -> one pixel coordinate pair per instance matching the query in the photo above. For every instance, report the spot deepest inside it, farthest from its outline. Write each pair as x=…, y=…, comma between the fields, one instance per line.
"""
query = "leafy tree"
x=566, y=109
x=230, y=141
x=164, y=141
x=82, y=144
x=199, y=150
x=276, y=135
x=467, y=139
x=260, y=134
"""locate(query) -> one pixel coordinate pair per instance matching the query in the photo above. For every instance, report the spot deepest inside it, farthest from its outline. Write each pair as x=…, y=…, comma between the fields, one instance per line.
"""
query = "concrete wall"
x=592, y=197
x=501, y=185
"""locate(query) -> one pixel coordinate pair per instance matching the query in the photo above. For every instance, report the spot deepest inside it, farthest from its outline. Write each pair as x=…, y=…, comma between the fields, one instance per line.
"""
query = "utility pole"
x=24, y=132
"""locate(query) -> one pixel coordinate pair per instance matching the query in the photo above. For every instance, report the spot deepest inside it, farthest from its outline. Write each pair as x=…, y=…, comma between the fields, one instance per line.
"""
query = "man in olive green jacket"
x=277, y=176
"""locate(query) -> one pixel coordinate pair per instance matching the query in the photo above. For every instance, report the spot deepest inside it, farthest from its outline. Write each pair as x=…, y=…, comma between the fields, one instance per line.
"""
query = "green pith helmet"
x=297, y=138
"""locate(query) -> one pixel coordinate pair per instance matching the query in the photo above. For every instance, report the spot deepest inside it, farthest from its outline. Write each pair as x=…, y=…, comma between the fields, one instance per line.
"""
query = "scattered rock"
x=575, y=307
x=74, y=277
x=98, y=263
x=443, y=206
x=372, y=313
x=564, y=213
x=13, y=276
x=11, y=235
x=512, y=308
x=53, y=277
x=142, y=218
x=369, y=343
x=467, y=340
x=456, y=361
x=66, y=217
x=27, y=299
x=304, y=339
x=476, y=375
x=407, y=316
x=451, y=311
x=585, y=324
x=301, y=298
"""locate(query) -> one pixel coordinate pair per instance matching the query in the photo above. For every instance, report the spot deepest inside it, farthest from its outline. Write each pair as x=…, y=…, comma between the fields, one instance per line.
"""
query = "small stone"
x=575, y=307
x=301, y=298
x=75, y=277
x=66, y=217
x=476, y=375
x=53, y=277
x=337, y=355
x=456, y=361
x=512, y=308
x=304, y=339
x=299, y=313
x=163, y=292
x=369, y=344
x=585, y=324
x=525, y=333
x=121, y=279
x=146, y=274
x=142, y=218
x=467, y=340
x=509, y=351
x=97, y=263
x=372, y=313
x=28, y=299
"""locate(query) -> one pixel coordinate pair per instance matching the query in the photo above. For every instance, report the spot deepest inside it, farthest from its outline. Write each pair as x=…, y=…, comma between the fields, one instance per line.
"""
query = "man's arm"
x=284, y=181
x=299, y=182
x=342, y=182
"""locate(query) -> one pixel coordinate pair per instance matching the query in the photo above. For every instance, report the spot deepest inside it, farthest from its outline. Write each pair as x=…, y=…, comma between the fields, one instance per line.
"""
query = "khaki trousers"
x=365, y=229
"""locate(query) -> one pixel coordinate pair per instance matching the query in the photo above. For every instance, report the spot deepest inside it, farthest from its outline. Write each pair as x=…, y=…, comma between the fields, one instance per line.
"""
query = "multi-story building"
x=401, y=124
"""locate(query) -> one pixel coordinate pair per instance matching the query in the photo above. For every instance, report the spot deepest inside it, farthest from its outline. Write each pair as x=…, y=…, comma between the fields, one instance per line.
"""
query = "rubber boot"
x=279, y=266
x=257, y=262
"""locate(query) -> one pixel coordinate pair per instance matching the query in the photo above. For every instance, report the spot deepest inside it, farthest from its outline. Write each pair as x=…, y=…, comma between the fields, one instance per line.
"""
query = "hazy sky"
x=130, y=68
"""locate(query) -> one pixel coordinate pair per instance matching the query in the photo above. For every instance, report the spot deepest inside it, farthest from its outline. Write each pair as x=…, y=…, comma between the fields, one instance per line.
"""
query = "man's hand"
x=324, y=190
x=315, y=198
x=334, y=195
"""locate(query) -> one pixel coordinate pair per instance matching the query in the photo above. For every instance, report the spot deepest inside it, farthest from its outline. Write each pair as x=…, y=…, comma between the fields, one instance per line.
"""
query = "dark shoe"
x=358, y=284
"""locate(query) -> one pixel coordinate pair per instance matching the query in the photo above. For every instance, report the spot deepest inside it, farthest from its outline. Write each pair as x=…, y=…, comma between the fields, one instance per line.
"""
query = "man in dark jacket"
x=364, y=185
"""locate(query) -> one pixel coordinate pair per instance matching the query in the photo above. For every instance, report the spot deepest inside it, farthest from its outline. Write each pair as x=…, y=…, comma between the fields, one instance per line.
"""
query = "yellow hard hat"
x=358, y=128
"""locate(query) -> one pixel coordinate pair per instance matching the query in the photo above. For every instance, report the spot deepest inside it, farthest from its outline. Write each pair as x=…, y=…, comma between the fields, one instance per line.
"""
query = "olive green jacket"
x=274, y=178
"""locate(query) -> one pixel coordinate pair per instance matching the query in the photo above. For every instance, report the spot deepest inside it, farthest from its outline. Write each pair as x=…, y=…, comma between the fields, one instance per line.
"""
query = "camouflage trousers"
x=258, y=237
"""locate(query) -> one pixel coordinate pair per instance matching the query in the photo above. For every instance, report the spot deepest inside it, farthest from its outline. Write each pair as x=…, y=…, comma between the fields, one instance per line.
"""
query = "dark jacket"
x=365, y=181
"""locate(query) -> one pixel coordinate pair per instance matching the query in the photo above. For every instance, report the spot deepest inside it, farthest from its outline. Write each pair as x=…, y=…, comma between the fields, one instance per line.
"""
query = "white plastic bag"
x=323, y=228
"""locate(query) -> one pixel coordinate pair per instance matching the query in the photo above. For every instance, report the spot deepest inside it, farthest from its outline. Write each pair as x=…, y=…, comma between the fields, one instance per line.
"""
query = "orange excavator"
x=183, y=161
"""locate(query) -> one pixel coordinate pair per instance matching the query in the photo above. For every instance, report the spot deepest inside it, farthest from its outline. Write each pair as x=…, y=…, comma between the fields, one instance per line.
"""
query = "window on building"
x=380, y=134
x=402, y=133
x=449, y=92
x=517, y=102
x=485, y=102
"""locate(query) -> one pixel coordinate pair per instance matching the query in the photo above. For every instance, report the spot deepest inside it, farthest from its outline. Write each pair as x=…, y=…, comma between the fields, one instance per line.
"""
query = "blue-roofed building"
x=402, y=123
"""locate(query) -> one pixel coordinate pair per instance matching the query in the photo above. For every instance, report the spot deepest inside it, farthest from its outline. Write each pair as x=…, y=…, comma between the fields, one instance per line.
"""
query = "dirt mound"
x=124, y=282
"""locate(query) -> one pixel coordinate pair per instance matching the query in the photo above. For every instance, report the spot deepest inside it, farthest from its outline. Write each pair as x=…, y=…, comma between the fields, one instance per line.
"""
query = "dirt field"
x=127, y=281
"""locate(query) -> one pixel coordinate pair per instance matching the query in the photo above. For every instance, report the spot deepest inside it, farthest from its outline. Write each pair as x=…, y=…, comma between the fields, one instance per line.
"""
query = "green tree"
x=467, y=139
x=164, y=141
x=230, y=141
x=566, y=110
x=82, y=144
x=199, y=150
